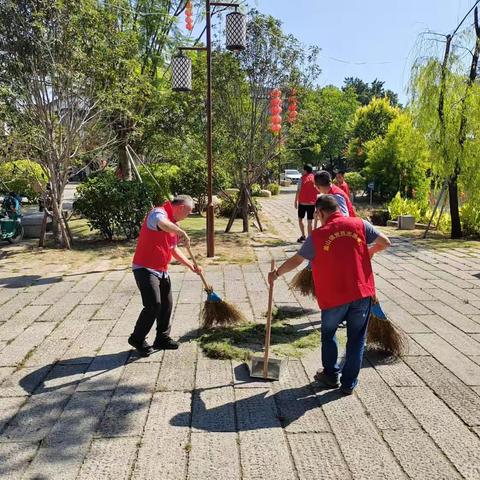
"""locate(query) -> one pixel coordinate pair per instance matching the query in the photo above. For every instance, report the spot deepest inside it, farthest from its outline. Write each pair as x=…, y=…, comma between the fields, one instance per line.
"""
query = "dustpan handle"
x=268, y=327
x=192, y=256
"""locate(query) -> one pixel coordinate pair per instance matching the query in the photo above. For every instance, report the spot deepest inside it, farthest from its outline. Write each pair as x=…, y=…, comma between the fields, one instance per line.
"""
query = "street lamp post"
x=182, y=81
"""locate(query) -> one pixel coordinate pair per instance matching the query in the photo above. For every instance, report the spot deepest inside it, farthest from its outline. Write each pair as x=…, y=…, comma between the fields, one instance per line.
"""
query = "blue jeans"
x=356, y=315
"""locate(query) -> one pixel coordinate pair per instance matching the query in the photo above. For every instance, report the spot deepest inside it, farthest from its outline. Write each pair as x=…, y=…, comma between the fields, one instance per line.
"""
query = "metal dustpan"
x=263, y=366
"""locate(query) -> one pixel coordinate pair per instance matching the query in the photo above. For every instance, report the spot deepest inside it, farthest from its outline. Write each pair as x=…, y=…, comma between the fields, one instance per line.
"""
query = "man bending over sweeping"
x=343, y=293
x=157, y=245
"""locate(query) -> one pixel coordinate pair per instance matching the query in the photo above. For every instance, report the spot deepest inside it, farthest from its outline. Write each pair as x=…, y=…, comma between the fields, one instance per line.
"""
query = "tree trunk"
x=244, y=208
x=456, y=231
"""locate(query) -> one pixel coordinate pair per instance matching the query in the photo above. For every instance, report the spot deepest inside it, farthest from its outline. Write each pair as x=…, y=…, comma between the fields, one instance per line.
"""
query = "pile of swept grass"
x=240, y=342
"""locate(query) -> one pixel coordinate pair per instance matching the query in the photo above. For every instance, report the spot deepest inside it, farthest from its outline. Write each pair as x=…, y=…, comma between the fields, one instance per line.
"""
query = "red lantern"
x=292, y=106
x=189, y=16
x=275, y=110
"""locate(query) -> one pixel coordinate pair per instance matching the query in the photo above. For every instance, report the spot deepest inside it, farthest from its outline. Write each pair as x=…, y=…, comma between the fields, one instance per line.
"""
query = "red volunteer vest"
x=344, y=186
x=342, y=271
x=308, y=191
x=334, y=190
x=154, y=248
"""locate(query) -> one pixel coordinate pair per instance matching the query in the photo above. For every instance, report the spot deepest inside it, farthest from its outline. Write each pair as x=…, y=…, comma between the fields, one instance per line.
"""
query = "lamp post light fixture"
x=236, y=32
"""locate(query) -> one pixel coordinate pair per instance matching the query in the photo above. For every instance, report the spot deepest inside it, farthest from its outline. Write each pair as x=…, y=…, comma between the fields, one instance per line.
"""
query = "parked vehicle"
x=293, y=175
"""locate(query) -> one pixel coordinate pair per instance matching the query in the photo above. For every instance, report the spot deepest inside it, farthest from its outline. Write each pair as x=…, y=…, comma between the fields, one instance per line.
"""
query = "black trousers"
x=157, y=304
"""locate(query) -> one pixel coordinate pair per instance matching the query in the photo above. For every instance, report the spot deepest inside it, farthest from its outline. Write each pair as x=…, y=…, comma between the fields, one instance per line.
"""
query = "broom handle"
x=268, y=327
x=192, y=256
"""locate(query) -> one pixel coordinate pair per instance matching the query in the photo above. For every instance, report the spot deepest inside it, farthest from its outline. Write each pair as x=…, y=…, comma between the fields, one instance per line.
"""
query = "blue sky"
x=380, y=33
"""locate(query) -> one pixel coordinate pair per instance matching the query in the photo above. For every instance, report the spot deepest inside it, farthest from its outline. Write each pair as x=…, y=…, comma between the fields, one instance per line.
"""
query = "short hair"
x=340, y=172
x=308, y=168
x=327, y=203
x=323, y=178
x=183, y=200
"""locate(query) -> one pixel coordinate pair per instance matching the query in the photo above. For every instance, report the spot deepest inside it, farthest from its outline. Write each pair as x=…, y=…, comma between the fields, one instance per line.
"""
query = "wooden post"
x=268, y=327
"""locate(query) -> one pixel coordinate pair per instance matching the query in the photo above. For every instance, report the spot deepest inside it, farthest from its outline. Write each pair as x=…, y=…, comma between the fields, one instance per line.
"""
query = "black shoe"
x=327, y=381
x=165, y=343
x=143, y=348
x=346, y=391
x=301, y=239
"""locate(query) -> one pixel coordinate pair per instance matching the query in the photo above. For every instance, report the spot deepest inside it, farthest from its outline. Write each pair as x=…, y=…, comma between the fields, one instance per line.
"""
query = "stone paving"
x=76, y=403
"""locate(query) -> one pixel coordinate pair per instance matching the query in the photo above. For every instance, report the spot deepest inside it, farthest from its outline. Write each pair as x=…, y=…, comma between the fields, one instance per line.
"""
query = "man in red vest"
x=156, y=246
x=342, y=293
x=305, y=199
x=341, y=183
x=323, y=181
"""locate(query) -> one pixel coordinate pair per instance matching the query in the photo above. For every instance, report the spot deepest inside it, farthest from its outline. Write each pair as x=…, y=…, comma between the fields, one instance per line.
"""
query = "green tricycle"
x=11, y=228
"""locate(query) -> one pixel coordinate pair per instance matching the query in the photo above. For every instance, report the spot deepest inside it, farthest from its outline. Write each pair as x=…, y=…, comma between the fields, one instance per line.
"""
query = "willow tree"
x=446, y=106
x=242, y=84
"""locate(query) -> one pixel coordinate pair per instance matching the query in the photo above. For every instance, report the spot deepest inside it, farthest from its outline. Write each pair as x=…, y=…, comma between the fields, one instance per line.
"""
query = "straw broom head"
x=303, y=282
x=220, y=314
x=385, y=336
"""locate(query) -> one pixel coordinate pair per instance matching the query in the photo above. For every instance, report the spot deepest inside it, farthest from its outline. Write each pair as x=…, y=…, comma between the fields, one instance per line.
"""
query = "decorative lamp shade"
x=181, y=73
x=236, y=31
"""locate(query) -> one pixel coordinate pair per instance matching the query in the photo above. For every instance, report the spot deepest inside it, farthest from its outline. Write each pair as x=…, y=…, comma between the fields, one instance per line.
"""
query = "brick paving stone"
x=127, y=412
x=107, y=367
x=36, y=418
x=411, y=306
x=461, y=293
x=7, y=294
x=213, y=410
x=23, y=381
x=63, y=450
x=460, y=321
x=317, y=456
x=87, y=283
x=475, y=358
x=4, y=373
x=449, y=388
x=454, y=302
x=14, y=459
x=113, y=307
x=381, y=404
x=185, y=320
x=191, y=292
x=419, y=456
x=402, y=318
x=411, y=290
x=265, y=455
x=456, y=441
x=298, y=406
x=178, y=368
x=86, y=345
x=9, y=407
x=20, y=321
x=451, y=334
x=56, y=344
x=455, y=361
x=100, y=293
x=394, y=371
x=214, y=455
x=362, y=446
x=98, y=463
x=54, y=294
x=124, y=326
x=15, y=352
x=213, y=373
x=166, y=439
x=58, y=311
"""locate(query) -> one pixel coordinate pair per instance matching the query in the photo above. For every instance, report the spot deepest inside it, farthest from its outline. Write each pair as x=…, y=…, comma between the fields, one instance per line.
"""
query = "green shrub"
x=274, y=188
x=112, y=206
x=470, y=217
x=160, y=188
x=255, y=189
x=403, y=206
x=23, y=177
x=192, y=180
x=225, y=209
x=355, y=181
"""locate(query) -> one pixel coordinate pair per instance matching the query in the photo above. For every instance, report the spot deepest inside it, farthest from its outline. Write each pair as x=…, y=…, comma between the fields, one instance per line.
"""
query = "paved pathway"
x=75, y=403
